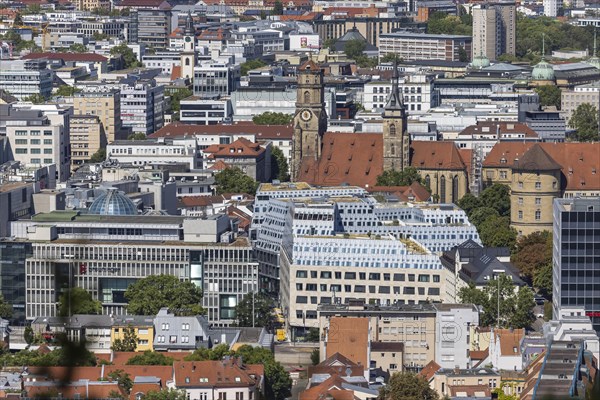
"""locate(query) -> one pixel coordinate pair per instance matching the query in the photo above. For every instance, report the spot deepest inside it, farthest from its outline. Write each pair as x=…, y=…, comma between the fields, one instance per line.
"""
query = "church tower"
x=310, y=120
x=188, y=55
x=396, y=143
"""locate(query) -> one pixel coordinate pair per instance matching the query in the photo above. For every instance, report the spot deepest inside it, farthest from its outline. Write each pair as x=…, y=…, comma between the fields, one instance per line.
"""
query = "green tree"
x=137, y=136
x=441, y=23
x=250, y=65
x=262, y=306
x=315, y=357
x=329, y=44
x=277, y=8
x=522, y=316
x=463, y=56
x=97, y=36
x=469, y=203
x=407, y=386
x=35, y=98
x=148, y=295
x=272, y=118
x=28, y=335
x=480, y=214
x=150, y=358
x=165, y=394
x=6, y=309
x=543, y=280
x=532, y=253
x=18, y=21
x=313, y=335
x=78, y=48
x=233, y=180
x=279, y=165
x=98, y=156
x=122, y=378
x=496, y=232
x=77, y=301
x=176, y=98
x=129, y=57
x=497, y=196
x=366, y=62
x=278, y=384
x=129, y=341
x=66, y=91
x=549, y=95
x=214, y=354
x=585, y=121
x=393, y=177
x=391, y=57
x=354, y=48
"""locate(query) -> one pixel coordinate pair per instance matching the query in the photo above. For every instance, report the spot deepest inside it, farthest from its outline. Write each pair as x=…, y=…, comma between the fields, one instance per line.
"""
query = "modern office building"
x=581, y=94
x=12, y=275
x=24, y=78
x=198, y=111
x=42, y=138
x=142, y=105
x=215, y=79
x=103, y=102
x=576, y=257
x=154, y=27
x=422, y=46
x=552, y=8
x=108, y=26
x=112, y=246
x=87, y=136
x=417, y=90
x=494, y=29
x=148, y=152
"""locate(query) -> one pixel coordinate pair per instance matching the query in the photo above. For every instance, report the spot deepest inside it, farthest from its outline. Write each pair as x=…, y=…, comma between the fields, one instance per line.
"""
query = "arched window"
x=392, y=130
x=428, y=181
x=442, y=189
x=455, y=189
x=187, y=61
x=307, y=97
x=393, y=149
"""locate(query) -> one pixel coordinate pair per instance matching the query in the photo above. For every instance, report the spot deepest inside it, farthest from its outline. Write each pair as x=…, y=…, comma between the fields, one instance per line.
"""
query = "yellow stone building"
x=143, y=327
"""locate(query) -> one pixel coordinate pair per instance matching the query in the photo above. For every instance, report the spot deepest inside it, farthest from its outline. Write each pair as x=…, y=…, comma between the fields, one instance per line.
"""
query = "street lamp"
x=498, y=272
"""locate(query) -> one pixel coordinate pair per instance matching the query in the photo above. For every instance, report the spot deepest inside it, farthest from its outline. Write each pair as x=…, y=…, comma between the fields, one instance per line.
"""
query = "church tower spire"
x=310, y=120
x=396, y=143
x=188, y=55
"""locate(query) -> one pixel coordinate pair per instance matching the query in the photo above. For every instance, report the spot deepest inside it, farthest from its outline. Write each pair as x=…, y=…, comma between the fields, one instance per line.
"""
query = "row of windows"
x=372, y=276
x=32, y=133
x=33, y=151
x=372, y=290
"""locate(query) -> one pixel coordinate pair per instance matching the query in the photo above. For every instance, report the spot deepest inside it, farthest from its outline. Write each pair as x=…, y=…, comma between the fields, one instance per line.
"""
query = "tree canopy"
x=585, y=121
x=279, y=165
x=391, y=57
x=165, y=394
x=69, y=354
x=137, y=136
x=407, y=386
x=66, y=91
x=490, y=213
x=78, y=48
x=355, y=49
x=77, y=301
x=532, y=253
x=98, y=156
x=277, y=8
x=515, y=305
x=272, y=118
x=250, y=65
x=129, y=57
x=122, y=378
x=150, y=358
x=549, y=95
x=442, y=23
x=399, y=178
x=263, y=316
x=147, y=296
x=233, y=180
x=176, y=98
x=6, y=309
x=35, y=98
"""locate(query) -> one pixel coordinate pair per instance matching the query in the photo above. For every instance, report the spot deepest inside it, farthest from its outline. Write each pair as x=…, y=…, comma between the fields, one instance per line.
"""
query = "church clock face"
x=188, y=39
x=306, y=115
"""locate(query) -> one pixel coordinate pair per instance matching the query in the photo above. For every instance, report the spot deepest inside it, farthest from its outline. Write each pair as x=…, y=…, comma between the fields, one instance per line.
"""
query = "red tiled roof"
x=352, y=158
x=470, y=391
x=224, y=373
x=429, y=370
x=414, y=192
x=262, y=132
x=83, y=390
x=436, y=155
x=479, y=354
x=580, y=162
x=200, y=201
x=306, y=17
x=121, y=357
x=93, y=57
x=220, y=165
x=176, y=72
x=164, y=373
x=349, y=338
x=510, y=341
x=331, y=388
x=64, y=374
x=488, y=127
x=240, y=148
x=143, y=388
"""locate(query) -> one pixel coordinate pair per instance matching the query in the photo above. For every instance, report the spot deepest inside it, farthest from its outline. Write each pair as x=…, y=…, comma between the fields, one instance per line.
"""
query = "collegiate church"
x=332, y=158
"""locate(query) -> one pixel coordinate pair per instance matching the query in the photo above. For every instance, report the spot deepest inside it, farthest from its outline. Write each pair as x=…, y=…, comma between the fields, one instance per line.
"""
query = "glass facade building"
x=12, y=276
x=576, y=256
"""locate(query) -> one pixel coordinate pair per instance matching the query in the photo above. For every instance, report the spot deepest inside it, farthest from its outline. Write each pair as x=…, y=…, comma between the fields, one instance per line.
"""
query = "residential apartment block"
x=103, y=102
x=87, y=137
x=573, y=98
x=494, y=29
x=421, y=46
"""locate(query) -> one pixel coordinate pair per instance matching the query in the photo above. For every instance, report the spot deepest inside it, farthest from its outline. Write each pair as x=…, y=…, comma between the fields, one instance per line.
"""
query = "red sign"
x=593, y=313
